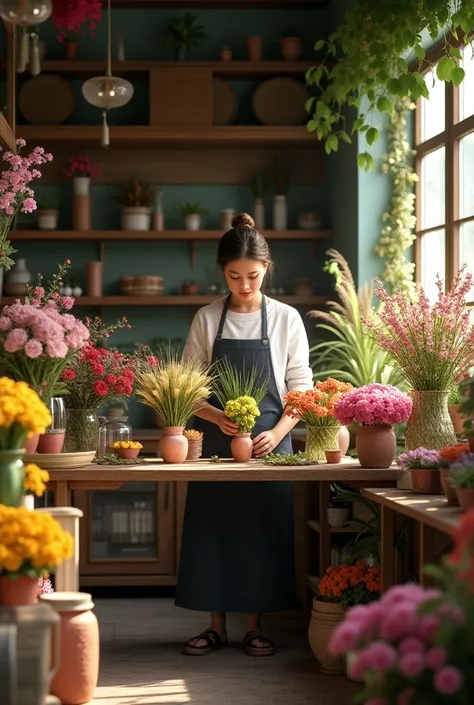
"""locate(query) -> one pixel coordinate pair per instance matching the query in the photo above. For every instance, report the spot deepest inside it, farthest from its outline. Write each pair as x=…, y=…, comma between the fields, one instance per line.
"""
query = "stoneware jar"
x=173, y=445
x=17, y=278
x=76, y=679
x=47, y=219
x=136, y=218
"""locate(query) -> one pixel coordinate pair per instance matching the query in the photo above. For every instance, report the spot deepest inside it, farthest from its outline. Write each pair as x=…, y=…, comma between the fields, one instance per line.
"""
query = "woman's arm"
x=217, y=416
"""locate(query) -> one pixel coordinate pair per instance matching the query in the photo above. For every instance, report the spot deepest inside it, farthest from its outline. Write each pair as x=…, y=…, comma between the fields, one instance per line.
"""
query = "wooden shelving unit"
x=185, y=235
x=177, y=300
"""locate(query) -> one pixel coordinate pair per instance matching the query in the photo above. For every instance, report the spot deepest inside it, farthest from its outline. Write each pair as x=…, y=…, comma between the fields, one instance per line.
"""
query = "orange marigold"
x=451, y=454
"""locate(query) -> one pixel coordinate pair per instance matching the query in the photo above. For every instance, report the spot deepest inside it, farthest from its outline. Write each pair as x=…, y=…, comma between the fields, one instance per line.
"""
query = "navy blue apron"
x=237, y=550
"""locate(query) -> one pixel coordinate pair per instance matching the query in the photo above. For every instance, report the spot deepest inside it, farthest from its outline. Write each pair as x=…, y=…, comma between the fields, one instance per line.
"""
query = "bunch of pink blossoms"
x=374, y=405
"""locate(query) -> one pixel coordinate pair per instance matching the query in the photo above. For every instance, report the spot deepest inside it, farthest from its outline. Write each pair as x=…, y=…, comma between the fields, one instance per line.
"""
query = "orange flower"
x=314, y=405
x=339, y=583
x=451, y=454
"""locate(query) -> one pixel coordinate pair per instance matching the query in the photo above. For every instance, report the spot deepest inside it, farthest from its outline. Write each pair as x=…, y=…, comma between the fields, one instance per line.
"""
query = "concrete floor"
x=141, y=663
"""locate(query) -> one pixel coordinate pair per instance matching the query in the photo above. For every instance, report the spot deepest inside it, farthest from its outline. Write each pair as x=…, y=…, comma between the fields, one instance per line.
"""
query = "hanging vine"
x=397, y=234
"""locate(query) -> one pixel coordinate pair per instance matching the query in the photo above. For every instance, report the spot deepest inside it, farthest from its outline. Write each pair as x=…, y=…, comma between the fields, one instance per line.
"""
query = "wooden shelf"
x=186, y=235
x=315, y=526
x=313, y=583
x=228, y=69
x=177, y=300
x=144, y=135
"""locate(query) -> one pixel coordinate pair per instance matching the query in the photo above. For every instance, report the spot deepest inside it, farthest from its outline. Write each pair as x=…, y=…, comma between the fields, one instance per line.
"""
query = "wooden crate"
x=181, y=96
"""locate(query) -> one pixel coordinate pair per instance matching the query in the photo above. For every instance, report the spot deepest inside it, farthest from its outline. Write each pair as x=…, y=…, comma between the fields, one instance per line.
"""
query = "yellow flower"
x=36, y=480
x=244, y=411
x=22, y=408
x=126, y=444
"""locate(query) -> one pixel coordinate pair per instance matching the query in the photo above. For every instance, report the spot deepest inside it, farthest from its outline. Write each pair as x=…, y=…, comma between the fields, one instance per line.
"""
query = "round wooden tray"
x=224, y=103
x=280, y=101
x=46, y=99
x=61, y=461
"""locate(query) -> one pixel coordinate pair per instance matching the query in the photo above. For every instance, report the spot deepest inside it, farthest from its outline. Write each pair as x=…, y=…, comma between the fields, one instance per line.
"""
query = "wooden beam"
x=7, y=137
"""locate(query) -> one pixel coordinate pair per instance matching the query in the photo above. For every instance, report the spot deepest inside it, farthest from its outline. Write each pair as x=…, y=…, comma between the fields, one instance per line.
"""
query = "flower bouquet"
x=425, y=469
x=32, y=544
x=22, y=415
x=239, y=393
x=316, y=409
x=339, y=589
x=175, y=390
x=376, y=407
x=433, y=346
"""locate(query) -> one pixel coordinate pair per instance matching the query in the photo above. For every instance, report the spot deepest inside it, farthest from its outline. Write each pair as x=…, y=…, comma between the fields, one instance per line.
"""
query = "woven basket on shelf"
x=194, y=448
x=148, y=285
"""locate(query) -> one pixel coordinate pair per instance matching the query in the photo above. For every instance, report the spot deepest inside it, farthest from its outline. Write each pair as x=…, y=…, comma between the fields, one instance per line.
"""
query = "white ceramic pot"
x=192, y=221
x=81, y=185
x=48, y=219
x=136, y=218
x=259, y=214
x=28, y=501
x=280, y=214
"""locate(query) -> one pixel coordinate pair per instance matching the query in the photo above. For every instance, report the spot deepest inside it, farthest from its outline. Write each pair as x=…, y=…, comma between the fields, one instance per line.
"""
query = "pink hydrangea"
x=448, y=680
x=374, y=405
x=436, y=657
x=412, y=664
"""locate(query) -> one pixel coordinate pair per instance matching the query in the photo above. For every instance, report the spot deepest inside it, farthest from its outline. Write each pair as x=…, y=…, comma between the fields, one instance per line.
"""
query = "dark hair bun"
x=243, y=220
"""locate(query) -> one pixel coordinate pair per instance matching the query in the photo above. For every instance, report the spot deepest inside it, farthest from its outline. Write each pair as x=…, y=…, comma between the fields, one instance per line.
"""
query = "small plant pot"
x=194, y=448
x=136, y=218
x=70, y=50
x=333, y=456
x=449, y=490
x=226, y=54
x=51, y=442
x=47, y=219
x=457, y=419
x=426, y=481
x=192, y=221
x=337, y=515
x=291, y=48
x=254, y=48
x=127, y=452
x=465, y=498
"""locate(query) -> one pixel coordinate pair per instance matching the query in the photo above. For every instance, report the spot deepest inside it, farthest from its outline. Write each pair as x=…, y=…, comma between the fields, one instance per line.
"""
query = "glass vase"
x=429, y=425
x=12, y=477
x=320, y=439
x=82, y=430
x=114, y=430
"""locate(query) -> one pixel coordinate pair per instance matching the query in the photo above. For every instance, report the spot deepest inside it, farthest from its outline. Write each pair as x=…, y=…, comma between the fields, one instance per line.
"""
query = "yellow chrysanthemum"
x=22, y=408
x=244, y=411
x=36, y=480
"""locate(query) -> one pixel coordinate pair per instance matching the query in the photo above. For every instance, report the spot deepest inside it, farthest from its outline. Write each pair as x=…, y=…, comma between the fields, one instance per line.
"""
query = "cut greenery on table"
x=287, y=460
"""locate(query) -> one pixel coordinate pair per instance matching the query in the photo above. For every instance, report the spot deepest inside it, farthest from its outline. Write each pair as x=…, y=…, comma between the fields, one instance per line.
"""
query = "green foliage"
x=399, y=220
x=134, y=194
x=188, y=208
x=364, y=68
x=184, y=33
x=231, y=383
x=288, y=459
x=350, y=355
x=463, y=478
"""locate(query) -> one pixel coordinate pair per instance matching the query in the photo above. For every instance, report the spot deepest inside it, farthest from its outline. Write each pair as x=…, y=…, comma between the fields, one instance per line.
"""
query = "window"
x=445, y=166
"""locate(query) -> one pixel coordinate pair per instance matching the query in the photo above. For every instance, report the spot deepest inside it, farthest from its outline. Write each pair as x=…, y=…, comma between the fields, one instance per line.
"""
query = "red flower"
x=119, y=388
x=111, y=379
x=68, y=375
x=97, y=368
x=152, y=360
x=100, y=388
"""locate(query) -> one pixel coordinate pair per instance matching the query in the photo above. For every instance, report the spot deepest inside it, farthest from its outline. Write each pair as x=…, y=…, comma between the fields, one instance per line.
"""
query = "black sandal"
x=252, y=650
x=213, y=642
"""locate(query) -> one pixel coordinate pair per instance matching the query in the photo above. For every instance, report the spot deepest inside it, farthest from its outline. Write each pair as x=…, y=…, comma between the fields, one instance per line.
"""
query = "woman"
x=238, y=539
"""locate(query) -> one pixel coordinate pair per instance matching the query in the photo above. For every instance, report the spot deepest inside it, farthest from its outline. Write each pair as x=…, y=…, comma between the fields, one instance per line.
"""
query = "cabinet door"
x=128, y=531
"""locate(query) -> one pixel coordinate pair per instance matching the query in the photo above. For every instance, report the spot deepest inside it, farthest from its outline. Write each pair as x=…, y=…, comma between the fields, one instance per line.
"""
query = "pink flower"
x=344, y=638
x=436, y=657
x=5, y=323
x=412, y=664
x=429, y=626
x=374, y=404
x=411, y=644
x=398, y=621
x=15, y=340
x=56, y=348
x=379, y=656
x=33, y=348
x=448, y=680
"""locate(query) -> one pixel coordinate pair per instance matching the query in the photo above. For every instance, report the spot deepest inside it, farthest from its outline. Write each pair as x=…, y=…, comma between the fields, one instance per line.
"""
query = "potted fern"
x=183, y=33
x=192, y=215
x=136, y=198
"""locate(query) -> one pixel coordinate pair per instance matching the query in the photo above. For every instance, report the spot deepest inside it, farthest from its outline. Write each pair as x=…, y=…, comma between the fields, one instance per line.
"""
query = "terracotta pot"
x=465, y=497
x=31, y=444
x=242, y=447
x=70, y=50
x=291, y=48
x=448, y=489
x=190, y=288
x=226, y=54
x=343, y=439
x=51, y=442
x=325, y=616
x=173, y=445
x=333, y=456
x=127, y=452
x=19, y=592
x=254, y=48
x=457, y=419
x=76, y=679
x=376, y=446
x=194, y=448
x=426, y=481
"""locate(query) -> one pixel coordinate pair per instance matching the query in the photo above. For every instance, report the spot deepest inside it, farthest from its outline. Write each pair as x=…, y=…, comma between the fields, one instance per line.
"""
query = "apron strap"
x=264, y=335
x=223, y=317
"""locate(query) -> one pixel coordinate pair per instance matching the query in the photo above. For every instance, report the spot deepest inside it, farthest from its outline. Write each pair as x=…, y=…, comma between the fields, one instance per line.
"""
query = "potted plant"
x=136, y=198
x=192, y=214
x=184, y=33
x=424, y=466
x=291, y=44
x=315, y=408
x=376, y=407
x=466, y=407
x=338, y=513
x=339, y=588
x=461, y=474
x=34, y=485
x=71, y=45
x=47, y=215
x=175, y=389
x=194, y=443
x=127, y=449
x=448, y=456
x=239, y=394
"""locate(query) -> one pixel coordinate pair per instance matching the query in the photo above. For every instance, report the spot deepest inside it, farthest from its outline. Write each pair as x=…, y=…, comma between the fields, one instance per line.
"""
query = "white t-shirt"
x=286, y=331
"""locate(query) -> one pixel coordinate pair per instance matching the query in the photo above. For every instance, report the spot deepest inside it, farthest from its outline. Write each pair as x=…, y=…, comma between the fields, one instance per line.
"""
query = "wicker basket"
x=147, y=285
x=194, y=448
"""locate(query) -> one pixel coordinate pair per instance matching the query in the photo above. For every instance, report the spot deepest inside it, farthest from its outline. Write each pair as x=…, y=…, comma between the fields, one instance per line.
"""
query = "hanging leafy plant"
x=397, y=234
x=368, y=64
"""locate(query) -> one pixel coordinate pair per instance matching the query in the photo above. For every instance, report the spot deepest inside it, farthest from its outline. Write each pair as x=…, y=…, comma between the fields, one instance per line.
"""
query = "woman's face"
x=244, y=277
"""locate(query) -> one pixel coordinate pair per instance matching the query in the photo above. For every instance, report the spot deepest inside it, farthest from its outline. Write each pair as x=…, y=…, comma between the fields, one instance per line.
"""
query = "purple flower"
x=419, y=458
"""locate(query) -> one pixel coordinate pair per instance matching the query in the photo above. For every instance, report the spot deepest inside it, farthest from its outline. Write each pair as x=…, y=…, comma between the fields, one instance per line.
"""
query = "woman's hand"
x=226, y=425
x=265, y=443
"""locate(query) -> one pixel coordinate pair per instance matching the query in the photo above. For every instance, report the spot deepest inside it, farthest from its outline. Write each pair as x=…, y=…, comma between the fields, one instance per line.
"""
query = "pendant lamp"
x=25, y=12
x=107, y=92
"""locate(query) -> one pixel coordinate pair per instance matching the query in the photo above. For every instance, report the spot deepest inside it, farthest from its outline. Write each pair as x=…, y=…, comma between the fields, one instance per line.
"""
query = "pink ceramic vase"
x=173, y=445
x=51, y=442
x=31, y=444
x=242, y=447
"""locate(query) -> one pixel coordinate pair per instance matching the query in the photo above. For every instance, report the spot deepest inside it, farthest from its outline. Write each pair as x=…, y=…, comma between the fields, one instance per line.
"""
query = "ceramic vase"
x=325, y=617
x=12, y=477
x=280, y=213
x=81, y=204
x=173, y=445
x=291, y=48
x=254, y=48
x=259, y=213
x=82, y=431
x=28, y=502
x=430, y=425
x=343, y=439
x=376, y=446
x=192, y=221
x=136, y=218
x=319, y=439
x=457, y=419
x=242, y=447
x=70, y=50
x=47, y=219
x=17, y=278
x=94, y=278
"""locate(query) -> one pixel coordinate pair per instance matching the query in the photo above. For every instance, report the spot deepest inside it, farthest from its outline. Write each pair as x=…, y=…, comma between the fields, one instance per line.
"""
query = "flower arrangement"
x=316, y=407
x=31, y=543
x=127, y=445
x=462, y=472
x=69, y=16
x=374, y=405
x=22, y=414
x=432, y=344
x=39, y=338
x=175, y=389
x=419, y=459
x=244, y=412
x=16, y=194
x=36, y=480
x=81, y=166
x=350, y=584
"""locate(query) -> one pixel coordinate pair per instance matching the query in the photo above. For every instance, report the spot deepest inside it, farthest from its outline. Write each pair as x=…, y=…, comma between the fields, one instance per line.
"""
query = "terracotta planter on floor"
x=173, y=445
x=426, y=481
x=325, y=616
x=448, y=489
x=19, y=592
x=376, y=446
x=242, y=447
x=51, y=442
x=465, y=497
